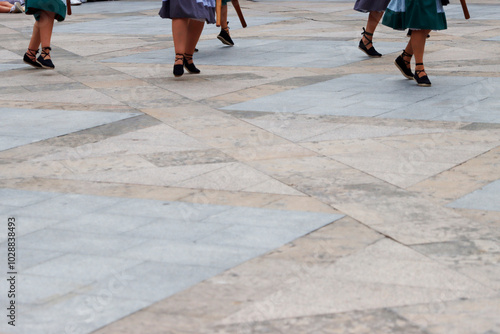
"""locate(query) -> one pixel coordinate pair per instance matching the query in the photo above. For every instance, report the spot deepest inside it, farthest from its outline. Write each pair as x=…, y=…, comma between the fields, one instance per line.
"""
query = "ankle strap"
x=188, y=56
x=418, y=64
x=179, y=56
x=46, y=51
x=366, y=32
x=406, y=54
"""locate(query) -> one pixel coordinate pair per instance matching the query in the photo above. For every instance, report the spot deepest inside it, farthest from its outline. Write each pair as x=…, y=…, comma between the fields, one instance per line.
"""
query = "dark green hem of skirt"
x=34, y=7
x=401, y=21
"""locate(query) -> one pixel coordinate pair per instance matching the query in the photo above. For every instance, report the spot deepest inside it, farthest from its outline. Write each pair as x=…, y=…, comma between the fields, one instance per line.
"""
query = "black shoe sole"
x=224, y=41
x=369, y=55
x=192, y=72
x=423, y=84
x=32, y=65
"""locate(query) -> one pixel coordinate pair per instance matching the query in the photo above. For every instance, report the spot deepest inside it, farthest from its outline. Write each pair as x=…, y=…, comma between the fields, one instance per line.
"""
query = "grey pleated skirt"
x=366, y=6
x=193, y=9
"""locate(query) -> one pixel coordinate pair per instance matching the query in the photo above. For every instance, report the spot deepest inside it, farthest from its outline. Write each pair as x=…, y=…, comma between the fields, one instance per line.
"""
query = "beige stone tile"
x=11, y=80
x=82, y=96
x=236, y=198
x=268, y=152
x=98, y=44
x=272, y=186
x=460, y=316
x=76, y=168
x=246, y=94
x=300, y=203
x=331, y=148
x=115, y=83
x=372, y=278
x=98, y=189
x=154, y=324
x=297, y=166
x=235, y=177
x=154, y=176
x=359, y=322
x=325, y=245
x=462, y=179
x=402, y=180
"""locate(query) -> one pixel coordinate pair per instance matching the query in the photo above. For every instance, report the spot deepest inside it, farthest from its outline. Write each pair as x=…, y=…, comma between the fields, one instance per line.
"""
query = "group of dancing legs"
x=189, y=17
x=419, y=19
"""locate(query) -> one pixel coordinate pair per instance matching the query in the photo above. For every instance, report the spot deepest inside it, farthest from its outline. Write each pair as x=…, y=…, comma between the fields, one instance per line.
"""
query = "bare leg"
x=417, y=45
x=372, y=23
x=407, y=55
x=46, y=24
x=180, y=33
x=223, y=17
x=195, y=28
x=35, y=37
x=42, y=32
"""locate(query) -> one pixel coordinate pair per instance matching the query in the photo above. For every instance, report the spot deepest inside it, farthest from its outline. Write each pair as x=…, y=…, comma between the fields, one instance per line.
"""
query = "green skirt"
x=415, y=14
x=34, y=7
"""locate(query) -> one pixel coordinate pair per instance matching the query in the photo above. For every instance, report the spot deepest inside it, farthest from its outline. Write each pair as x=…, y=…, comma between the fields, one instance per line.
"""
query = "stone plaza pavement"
x=294, y=186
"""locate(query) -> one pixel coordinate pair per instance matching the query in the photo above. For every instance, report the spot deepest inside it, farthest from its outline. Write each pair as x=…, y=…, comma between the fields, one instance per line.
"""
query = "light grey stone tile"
x=82, y=269
x=39, y=124
x=21, y=198
x=104, y=223
x=496, y=38
x=42, y=290
x=191, y=253
x=486, y=198
x=78, y=242
x=8, y=67
x=268, y=52
x=403, y=101
x=162, y=281
x=67, y=206
x=77, y=314
x=254, y=236
x=272, y=218
x=27, y=258
x=176, y=230
x=28, y=224
x=8, y=142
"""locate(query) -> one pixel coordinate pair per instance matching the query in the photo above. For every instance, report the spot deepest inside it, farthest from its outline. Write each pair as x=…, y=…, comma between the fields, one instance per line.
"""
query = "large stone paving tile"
x=265, y=52
x=24, y=126
x=394, y=98
x=359, y=322
x=130, y=253
x=372, y=278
